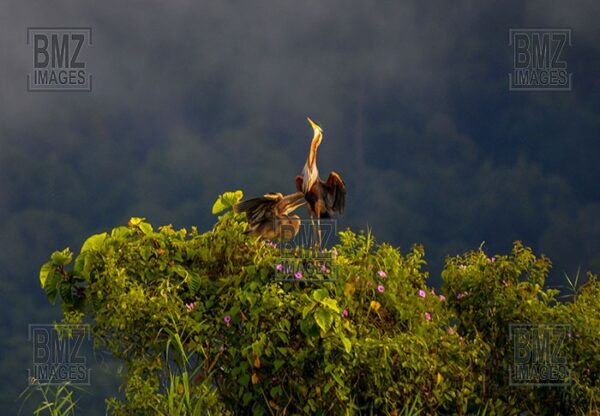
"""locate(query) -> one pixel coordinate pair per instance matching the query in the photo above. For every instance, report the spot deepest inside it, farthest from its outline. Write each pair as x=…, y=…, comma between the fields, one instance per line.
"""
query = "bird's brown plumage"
x=325, y=199
x=268, y=216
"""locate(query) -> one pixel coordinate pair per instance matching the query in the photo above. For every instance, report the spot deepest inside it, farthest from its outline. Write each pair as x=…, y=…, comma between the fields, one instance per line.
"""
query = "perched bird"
x=325, y=198
x=268, y=216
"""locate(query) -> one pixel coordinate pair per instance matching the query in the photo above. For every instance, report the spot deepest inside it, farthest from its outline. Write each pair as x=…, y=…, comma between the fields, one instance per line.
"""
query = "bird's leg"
x=312, y=229
x=319, y=231
x=312, y=224
x=318, y=212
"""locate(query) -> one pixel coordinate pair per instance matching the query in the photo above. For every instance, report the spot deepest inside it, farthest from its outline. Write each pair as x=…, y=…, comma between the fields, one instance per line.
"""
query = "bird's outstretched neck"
x=310, y=172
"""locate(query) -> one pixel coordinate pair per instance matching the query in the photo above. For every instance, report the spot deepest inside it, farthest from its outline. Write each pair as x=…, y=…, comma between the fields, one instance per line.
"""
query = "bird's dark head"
x=316, y=127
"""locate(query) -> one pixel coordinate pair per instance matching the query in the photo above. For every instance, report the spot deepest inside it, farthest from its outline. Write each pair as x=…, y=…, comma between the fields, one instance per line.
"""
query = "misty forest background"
x=192, y=99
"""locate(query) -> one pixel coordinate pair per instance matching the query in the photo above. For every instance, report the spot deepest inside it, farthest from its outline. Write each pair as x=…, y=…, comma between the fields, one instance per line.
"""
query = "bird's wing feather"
x=335, y=193
x=289, y=203
x=256, y=209
x=274, y=196
x=299, y=182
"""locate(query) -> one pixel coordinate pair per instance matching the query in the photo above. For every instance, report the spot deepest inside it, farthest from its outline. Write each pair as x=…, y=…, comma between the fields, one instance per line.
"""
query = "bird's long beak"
x=295, y=201
x=294, y=206
x=314, y=125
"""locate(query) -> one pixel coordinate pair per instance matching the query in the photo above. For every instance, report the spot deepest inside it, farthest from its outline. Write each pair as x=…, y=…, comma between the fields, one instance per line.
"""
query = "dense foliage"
x=205, y=324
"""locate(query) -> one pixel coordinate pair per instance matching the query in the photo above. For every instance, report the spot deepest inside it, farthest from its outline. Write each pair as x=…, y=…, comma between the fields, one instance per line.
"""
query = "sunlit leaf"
x=347, y=344
x=324, y=319
x=49, y=281
x=62, y=258
x=227, y=200
x=94, y=242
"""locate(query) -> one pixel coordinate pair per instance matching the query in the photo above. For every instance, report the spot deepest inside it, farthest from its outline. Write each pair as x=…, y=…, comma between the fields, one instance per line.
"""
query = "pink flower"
x=432, y=291
x=324, y=268
x=451, y=331
x=442, y=298
x=227, y=320
x=382, y=274
x=461, y=295
x=298, y=275
x=492, y=259
x=380, y=288
x=190, y=306
x=345, y=313
x=279, y=267
x=422, y=293
x=334, y=253
x=428, y=316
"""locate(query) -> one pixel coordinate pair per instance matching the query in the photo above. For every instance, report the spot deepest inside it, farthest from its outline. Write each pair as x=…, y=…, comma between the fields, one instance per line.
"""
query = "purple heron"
x=268, y=215
x=325, y=198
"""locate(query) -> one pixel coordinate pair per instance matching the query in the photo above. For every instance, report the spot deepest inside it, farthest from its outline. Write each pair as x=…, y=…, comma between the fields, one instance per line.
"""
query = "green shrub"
x=204, y=325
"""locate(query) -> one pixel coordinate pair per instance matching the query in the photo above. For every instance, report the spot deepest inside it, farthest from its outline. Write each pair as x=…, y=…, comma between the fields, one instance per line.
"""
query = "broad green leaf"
x=66, y=293
x=324, y=319
x=146, y=228
x=227, y=200
x=62, y=258
x=307, y=309
x=181, y=271
x=120, y=232
x=347, y=343
x=337, y=378
x=194, y=282
x=45, y=271
x=320, y=294
x=49, y=281
x=308, y=328
x=94, y=242
x=135, y=221
x=244, y=379
x=283, y=336
x=234, y=311
x=330, y=304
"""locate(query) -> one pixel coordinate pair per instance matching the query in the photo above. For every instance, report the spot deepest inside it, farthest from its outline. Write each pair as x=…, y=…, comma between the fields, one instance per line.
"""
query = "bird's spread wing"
x=290, y=203
x=334, y=193
x=267, y=208
x=258, y=209
x=274, y=196
x=299, y=182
